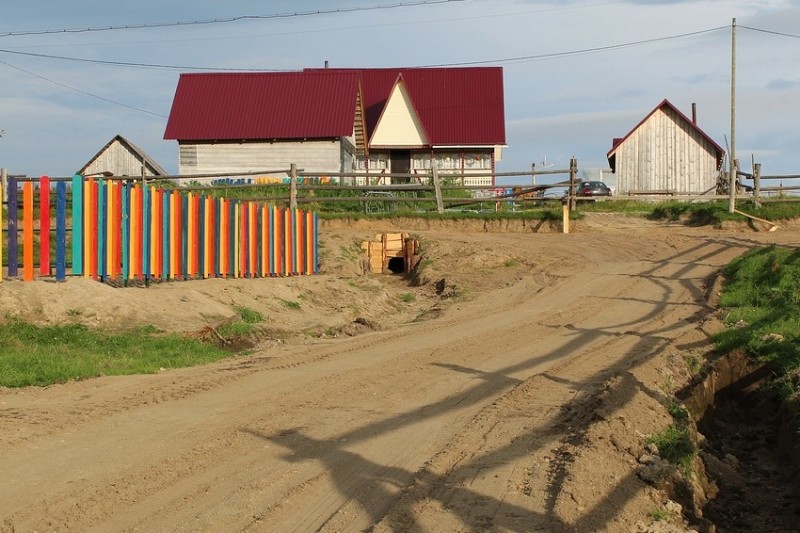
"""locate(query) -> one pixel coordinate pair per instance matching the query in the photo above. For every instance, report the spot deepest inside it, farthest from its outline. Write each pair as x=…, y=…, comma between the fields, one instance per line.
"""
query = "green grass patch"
x=291, y=304
x=248, y=315
x=675, y=445
x=714, y=212
x=407, y=297
x=762, y=300
x=42, y=355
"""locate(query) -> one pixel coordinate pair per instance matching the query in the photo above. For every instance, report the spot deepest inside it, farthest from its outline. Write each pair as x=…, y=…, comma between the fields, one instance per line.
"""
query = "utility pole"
x=733, y=179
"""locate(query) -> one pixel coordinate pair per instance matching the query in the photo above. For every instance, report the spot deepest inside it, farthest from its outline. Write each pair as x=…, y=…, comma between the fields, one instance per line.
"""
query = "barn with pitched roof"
x=120, y=157
x=341, y=120
x=666, y=151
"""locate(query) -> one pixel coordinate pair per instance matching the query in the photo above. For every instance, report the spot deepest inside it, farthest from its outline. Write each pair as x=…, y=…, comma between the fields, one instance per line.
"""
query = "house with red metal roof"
x=375, y=121
x=666, y=152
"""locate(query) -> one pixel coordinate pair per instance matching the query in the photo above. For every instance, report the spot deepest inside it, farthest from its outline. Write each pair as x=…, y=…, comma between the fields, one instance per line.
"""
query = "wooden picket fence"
x=120, y=229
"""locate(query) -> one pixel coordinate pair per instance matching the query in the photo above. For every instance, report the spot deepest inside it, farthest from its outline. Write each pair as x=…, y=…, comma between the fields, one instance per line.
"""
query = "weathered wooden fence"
x=121, y=229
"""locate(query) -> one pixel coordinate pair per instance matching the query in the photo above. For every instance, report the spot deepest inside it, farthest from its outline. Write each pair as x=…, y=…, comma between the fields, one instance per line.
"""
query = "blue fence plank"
x=61, y=231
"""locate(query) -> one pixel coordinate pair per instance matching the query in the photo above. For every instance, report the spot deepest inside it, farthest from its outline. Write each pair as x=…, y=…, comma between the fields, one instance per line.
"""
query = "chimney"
x=326, y=63
x=694, y=113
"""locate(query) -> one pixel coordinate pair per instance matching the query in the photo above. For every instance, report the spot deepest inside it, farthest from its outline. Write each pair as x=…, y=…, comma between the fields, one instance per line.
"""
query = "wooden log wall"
x=386, y=246
x=121, y=230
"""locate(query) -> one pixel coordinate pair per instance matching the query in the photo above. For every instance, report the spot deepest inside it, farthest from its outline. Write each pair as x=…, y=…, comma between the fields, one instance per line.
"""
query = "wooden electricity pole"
x=733, y=179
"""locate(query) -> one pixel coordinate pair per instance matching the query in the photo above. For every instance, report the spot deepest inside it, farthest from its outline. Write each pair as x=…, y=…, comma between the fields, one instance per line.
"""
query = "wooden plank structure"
x=122, y=230
x=379, y=252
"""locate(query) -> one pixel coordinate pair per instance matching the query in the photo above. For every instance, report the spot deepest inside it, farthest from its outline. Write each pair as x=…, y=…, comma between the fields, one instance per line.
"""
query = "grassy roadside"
x=32, y=355
x=762, y=300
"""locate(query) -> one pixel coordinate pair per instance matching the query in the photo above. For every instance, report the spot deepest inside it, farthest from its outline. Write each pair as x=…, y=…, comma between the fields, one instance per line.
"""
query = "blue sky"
x=576, y=73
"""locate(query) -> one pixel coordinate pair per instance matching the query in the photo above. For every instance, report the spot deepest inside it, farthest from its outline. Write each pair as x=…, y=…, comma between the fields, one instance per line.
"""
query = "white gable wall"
x=666, y=153
x=119, y=160
x=226, y=159
x=399, y=124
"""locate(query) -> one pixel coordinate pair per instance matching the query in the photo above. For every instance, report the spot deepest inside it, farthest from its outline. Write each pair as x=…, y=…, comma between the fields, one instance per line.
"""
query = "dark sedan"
x=592, y=188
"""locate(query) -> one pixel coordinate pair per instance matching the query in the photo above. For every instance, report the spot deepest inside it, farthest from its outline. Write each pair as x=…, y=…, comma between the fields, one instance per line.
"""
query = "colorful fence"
x=122, y=230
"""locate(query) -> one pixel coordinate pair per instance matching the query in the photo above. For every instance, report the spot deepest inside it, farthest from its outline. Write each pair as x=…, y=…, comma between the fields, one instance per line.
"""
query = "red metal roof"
x=457, y=106
x=262, y=105
x=612, y=154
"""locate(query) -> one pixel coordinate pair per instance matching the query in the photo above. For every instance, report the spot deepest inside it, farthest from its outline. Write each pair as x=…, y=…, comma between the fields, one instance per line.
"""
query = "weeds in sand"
x=678, y=411
x=291, y=304
x=249, y=316
x=693, y=363
x=661, y=515
x=675, y=445
x=407, y=297
x=510, y=263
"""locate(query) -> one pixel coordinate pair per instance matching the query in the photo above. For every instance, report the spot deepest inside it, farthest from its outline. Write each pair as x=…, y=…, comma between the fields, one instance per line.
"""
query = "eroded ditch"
x=749, y=472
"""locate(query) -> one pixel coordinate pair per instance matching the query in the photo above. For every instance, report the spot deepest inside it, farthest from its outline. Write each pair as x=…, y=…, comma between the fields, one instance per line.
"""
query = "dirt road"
x=521, y=407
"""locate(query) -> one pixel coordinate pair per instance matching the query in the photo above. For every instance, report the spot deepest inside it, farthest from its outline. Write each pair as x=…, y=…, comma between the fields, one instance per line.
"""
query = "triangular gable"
x=617, y=142
x=149, y=162
x=399, y=123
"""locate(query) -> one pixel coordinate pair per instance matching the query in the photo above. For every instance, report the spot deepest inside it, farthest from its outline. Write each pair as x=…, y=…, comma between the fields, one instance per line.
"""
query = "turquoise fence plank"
x=77, y=225
x=13, y=226
x=61, y=231
x=316, y=243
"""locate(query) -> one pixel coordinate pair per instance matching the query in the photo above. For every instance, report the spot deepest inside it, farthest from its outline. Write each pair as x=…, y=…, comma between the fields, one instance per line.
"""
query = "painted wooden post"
x=165, y=234
x=145, y=224
x=61, y=231
x=44, y=226
x=125, y=227
x=13, y=225
x=27, y=231
x=78, y=223
x=100, y=235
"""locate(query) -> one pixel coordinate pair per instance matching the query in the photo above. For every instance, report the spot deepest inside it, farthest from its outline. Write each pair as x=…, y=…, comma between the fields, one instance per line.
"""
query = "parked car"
x=592, y=188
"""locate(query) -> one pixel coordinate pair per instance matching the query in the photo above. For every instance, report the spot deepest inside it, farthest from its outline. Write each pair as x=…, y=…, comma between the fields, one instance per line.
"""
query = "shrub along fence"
x=120, y=229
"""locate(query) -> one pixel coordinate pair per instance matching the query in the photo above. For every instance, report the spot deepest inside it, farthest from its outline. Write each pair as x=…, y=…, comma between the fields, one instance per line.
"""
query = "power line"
x=538, y=57
x=81, y=91
x=770, y=32
x=464, y=63
x=233, y=19
x=125, y=63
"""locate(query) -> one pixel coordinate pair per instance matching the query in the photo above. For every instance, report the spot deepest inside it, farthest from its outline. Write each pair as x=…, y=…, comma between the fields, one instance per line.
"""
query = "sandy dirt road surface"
x=518, y=403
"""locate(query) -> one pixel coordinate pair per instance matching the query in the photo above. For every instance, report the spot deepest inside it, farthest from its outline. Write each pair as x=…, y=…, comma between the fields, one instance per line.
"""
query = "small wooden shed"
x=666, y=153
x=120, y=157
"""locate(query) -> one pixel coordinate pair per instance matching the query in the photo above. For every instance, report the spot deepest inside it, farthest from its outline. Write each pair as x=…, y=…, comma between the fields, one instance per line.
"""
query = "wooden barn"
x=666, y=153
x=120, y=157
x=341, y=120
